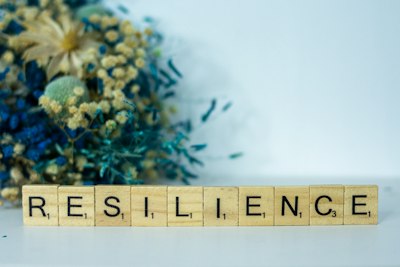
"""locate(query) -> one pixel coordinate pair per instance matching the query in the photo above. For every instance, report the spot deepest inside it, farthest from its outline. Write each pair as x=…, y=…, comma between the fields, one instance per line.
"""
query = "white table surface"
x=197, y=246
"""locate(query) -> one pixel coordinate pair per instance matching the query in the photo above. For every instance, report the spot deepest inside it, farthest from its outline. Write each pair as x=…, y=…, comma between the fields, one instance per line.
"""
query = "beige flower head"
x=61, y=45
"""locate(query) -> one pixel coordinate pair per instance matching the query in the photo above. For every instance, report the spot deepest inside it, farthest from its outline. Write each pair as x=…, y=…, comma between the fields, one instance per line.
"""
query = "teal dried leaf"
x=131, y=104
x=149, y=19
x=141, y=149
x=227, y=106
x=236, y=155
x=186, y=173
x=123, y=9
x=192, y=160
x=179, y=137
x=174, y=69
x=168, y=147
x=199, y=147
x=59, y=149
x=168, y=94
x=205, y=117
x=154, y=115
x=170, y=81
x=98, y=112
x=103, y=170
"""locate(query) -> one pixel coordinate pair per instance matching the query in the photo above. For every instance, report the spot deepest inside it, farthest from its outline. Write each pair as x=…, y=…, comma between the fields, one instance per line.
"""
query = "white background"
x=315, y=92
x=315, y=84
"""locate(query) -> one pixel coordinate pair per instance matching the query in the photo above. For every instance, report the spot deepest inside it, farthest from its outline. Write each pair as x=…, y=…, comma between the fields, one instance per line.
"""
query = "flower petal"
x=54, y=66
x=76, y=64
x=40, y=52
x=54, y=26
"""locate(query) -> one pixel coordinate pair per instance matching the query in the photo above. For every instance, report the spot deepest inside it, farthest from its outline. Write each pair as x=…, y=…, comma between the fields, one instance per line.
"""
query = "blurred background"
x=314, y=84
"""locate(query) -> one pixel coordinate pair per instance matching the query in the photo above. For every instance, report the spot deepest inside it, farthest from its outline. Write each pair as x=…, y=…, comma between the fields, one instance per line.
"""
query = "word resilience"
x=112, y=205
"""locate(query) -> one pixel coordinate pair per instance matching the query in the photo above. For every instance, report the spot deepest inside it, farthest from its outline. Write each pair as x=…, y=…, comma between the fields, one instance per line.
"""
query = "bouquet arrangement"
x=83, y=99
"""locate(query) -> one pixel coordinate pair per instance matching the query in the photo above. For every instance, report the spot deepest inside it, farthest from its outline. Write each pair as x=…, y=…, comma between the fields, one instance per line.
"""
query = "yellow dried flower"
x=55, y=107
x=16, y=174
x=135, y=89
x=71, y=100
x=127, y=29
x=95, y=18
x=119, y=85
x=112, y=36
x=52, y=169
x=43, y=3
x=131, y=43
x=81, y=162
x=133, y=172
x=72, y=109
x=102, y=73
x=131, y=73
x=73, y=123
x=147, y=164
x=10, y=193
x=140, y=52
x=105, y=106
x=108, y=92
x=148, y=31
x=111, y=125
x=44, y=101
x=93, y=106
x=84, y=107
x=79, y=91
x=19, y=149
x=122, y=117
x=118, y=73
x=140, y=63
x=109, y=62
x=61, y=44
x=8, y=57
x=124, y=49
x=121, y=59
x=107, y=22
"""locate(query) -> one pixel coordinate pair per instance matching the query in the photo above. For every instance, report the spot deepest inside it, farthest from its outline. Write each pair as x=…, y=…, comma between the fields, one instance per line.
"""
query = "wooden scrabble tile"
x=326, y=204
x=76, y=205
x=292, y=205
x=221, y=206
x=256, y=205
x=40, y=205
x=185, y=206
x=112, y=205
x=361, y=204
x=149, y=205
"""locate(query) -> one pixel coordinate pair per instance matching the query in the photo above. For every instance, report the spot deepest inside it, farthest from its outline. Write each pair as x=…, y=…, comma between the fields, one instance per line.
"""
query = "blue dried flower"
x=4, y=176
x=61, y=161
x=14, y=121
x=8, y=151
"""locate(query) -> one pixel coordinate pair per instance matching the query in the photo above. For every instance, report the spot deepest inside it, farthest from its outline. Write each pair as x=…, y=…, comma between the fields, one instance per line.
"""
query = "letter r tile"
x=40, y=205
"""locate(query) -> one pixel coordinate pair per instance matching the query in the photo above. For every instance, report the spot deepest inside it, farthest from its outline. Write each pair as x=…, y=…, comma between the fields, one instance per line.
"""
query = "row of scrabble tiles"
x=111, y=205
